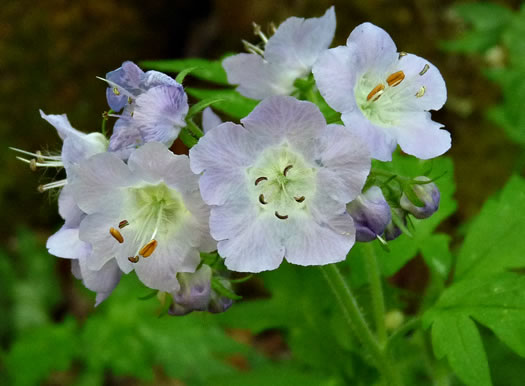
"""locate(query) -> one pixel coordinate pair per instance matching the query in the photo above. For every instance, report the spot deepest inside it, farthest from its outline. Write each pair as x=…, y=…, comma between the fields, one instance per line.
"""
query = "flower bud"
x=194, y=293
x=427, y=193
x=220, y=303
x=371, y=214
x=392, y=231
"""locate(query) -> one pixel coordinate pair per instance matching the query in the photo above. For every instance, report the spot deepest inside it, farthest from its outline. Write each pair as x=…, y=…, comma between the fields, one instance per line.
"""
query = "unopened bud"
x=429, y=196
x=392, y=231
x=371, y=214
x=220, y=303
x=194, y=293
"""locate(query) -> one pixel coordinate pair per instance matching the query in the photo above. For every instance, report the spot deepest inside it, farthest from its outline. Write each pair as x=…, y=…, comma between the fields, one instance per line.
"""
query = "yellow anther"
x=116, y=91
x=148, y=249
x=401, y=54
x=280, y=216
x=130, y=101
x=116, y=235
x=41, y=189
x=123, y=223
x=376, y=92
x=421, y=92
x=394, y=79
x=32, y=165
x=425, y=69
x=133, y=259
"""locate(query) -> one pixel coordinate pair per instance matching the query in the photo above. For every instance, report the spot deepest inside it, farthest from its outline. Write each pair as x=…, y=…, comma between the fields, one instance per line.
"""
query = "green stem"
x=357, y=322
x=193, y=128
x=376, y=290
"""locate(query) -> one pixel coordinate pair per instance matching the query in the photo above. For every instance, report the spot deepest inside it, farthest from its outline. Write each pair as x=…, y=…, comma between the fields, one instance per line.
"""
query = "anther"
x=32, y=165
x=260, y=179
x=261, y=199
x=257, y=32
x=421, y=92
x=401, y=54
x=273, y=27
x=130, y=101
x=394, y=79
x=376, y=92
x=116, y=235
x=123, y=223
x=280, y=216
x=116, y=91
x=41, y=188
x=299, y=199
x=286, y=169
x=133, y=259
x=148, y=249
x=39, y=157
x=425, y=69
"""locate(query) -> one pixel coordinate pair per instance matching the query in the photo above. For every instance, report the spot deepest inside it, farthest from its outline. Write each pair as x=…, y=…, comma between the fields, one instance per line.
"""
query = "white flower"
x=289, y=54
x=278, y=185
x=147, y=214
x=384, y=96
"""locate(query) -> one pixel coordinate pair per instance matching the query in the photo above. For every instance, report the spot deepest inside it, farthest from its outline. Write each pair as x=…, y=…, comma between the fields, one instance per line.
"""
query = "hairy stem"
x=376, y=290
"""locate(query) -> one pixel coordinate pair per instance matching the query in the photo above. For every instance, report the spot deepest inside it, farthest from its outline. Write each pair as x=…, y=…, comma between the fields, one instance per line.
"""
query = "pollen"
x=421, y=92
x=116, y=91
x=123, y=224
x=280, y=216
x=148, y=249
x=394, y=79
x=116, y=235
x=133, y=259
x=260, y=179
x=376, y=92
x=424, y=70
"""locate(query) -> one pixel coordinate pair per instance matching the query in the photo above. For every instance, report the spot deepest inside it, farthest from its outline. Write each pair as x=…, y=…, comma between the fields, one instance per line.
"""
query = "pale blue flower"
x=279, y=184
x=289, y=54
x=147, y=214
x=384, y=95
x=154, y=107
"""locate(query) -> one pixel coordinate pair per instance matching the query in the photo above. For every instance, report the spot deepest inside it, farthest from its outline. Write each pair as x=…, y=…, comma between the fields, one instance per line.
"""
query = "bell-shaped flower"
x=147, y=214
x=371, y=214
x=153, y=106
x=427, y=193
x=384, y=95
x=279, y=184
x=288, y=55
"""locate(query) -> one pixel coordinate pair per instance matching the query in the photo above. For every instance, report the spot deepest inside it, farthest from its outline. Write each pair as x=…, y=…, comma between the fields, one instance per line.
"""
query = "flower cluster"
x=281, y=184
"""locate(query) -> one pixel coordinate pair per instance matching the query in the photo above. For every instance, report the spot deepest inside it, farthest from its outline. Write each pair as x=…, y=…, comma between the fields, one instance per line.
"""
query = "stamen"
x=286, y=169
x=376, y=92
x=133, y=259
x=52, y=185
x=421, y=92
x=299, y=199
x=281, y=217
x=260, y=179
x=123, y=223
x=148, y=249
x=116, y=91
x=261, y=199
x=32, y=165
x=394, y=79
x=252, y=48
x=401, y=54
x=39, y=156
x=425, y=69
x=257, y=32
x=273, y=27
x=130, y=101
x=116, y=235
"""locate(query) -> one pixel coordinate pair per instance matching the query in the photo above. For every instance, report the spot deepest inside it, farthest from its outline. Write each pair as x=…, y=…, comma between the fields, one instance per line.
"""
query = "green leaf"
x=209, y=70
x=495, y=242
x=497, y=302
x=457, y=338
x=41, y=351
x=233, y=104
x=182, y=75
x=201, y=105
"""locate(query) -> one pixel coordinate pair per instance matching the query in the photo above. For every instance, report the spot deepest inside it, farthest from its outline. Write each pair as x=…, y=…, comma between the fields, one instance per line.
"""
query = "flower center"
x=281, y=182
x=154, y=211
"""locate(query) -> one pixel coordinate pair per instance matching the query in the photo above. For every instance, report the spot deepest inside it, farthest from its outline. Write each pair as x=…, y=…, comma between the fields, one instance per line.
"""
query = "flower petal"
x=422, y=137
x=103, y=281
x=129, y=77
x=61, y=124
x=65, y=243
x=68, y=208
x=374, y=48
x=335, y=76
x=320, y=243
x=298, y=42
x=257, y=78
x=210, y=120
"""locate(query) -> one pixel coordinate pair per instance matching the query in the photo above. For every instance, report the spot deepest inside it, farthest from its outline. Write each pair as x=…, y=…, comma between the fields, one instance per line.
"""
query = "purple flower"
x=289, y=54
x=279, y=184
x=384, y=96
x=371, y=214
x=427, y=193
x=154, y=107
